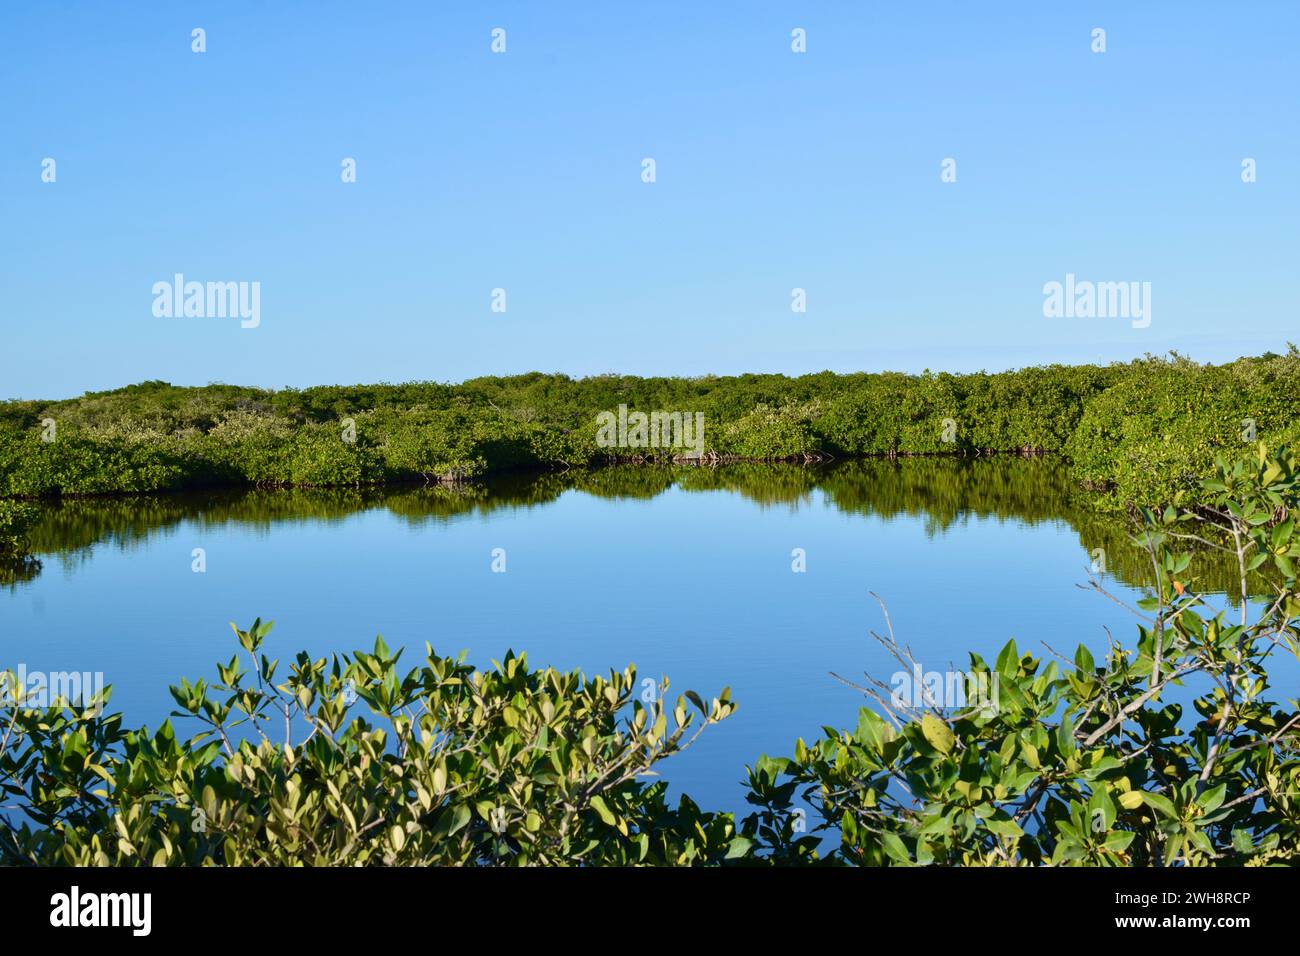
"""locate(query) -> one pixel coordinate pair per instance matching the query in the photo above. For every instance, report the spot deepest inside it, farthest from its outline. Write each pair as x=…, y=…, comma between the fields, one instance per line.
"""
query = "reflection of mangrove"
x=72, y=524
x=18, y=569
x=942, y=492
x=946, y=490
x=17, y=564
x=762, y=484
x=625, y=481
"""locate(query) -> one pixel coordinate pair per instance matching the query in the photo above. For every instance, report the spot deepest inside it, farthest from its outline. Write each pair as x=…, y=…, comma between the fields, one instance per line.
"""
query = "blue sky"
x=522, y=171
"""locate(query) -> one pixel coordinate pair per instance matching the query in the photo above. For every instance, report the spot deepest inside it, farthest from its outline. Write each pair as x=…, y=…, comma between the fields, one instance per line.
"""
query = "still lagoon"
x=690, y=573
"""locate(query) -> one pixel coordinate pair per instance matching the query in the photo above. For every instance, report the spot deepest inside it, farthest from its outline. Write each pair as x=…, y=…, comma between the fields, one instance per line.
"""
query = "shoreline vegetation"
x=1136, y=433
x=1073, y=762
x=1131, y=432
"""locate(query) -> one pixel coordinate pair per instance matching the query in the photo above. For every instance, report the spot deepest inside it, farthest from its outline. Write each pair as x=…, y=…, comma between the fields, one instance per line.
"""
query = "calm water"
x=685, y=572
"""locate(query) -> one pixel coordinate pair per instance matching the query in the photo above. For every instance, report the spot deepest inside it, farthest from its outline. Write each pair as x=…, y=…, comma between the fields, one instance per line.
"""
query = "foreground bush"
x=1087, y=762
x=510, y=766
x=1073, y=762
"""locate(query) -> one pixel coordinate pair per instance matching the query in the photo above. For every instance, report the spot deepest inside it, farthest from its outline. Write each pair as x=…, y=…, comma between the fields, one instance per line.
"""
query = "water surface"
x=685, y=572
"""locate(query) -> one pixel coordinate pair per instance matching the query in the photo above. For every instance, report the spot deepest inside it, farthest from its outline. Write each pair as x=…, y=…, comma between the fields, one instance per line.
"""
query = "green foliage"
x=454, y=444
x=320, y=456
x=1086, y=762
x=511, y=766
x=771, y=433
x=1142, y=431
x=119, y=458
x=1159, y=429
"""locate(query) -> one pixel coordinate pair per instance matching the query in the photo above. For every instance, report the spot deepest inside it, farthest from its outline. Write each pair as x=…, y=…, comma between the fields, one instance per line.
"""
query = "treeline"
x=1137, y=431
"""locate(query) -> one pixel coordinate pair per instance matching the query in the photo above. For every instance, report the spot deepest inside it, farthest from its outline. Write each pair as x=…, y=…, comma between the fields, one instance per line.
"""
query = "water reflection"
x=939, y=492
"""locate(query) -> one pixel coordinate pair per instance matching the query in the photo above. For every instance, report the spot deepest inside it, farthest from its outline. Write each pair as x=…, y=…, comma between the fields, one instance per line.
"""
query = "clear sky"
x=523, y=171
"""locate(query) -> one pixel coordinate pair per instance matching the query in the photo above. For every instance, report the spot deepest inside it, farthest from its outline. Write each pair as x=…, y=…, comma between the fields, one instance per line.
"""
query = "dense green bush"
x=456, y=444
x=770, y=433
x=510, y=766
x=80, y=461
x=1157, y=430
x=247, y=446
x=1139, y=431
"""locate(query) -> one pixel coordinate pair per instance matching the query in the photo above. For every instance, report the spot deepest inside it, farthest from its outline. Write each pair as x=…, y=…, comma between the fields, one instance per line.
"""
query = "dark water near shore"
x=687, y=572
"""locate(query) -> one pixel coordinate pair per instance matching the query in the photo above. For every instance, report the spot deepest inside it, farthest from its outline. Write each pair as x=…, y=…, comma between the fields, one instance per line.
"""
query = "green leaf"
x=1118, y=840
x=1161, y=804
x=740, y=846
x=460, y=815
x=896, y=848
x=599, y=805
x=1211, y=800
x=1131, y=800
x=938, y=733
x=1004, y=826
x=1008, y=661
